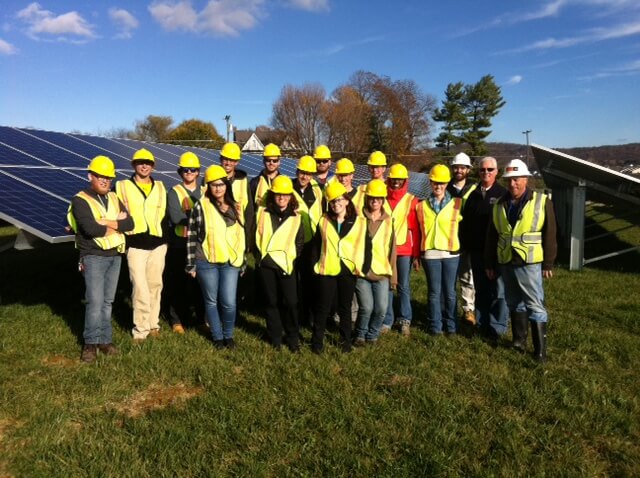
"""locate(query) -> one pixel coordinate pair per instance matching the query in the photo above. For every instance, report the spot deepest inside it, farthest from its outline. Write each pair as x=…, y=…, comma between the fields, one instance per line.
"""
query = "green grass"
x=418, y=407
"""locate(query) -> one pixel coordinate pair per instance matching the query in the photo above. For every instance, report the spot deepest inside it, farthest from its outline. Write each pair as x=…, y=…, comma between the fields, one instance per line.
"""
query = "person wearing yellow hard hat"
x=216, y=244
x=405, y=219
x=338, y=257
x=521, y=247
x=262, y=182
x=230, y=156
x=378, y=274
x=279, y=238
x=377, y=164
x=99, y=220
x=344, y=174
x=439, y=217
x=146, y=200
x=308, y=194
x=181, y=291
x=322, y=157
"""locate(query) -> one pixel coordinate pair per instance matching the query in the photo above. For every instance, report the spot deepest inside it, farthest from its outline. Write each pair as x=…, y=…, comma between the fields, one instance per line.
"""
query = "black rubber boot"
x=519, y=330
x=539, y=335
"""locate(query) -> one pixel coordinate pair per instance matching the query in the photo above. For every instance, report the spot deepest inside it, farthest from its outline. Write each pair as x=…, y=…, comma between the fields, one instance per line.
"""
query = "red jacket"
x=411, y=247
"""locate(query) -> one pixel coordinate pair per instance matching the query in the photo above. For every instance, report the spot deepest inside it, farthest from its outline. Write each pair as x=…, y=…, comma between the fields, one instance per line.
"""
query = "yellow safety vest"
x=221, y=248
x=112, y=241
x=310, y=215
x=440, y=231
x=240, y=194
x=400, y=217
x=381, y=248
x=147, y=212
x=261, y=190
x=466, y=195
x=281, y=244
x=186, y=204
x=349, y=249
x=526, y=236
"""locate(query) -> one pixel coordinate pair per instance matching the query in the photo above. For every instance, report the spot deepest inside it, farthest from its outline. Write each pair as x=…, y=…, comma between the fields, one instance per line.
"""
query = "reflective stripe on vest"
x=112, y=241
x=526, y=236
x=349, y=249
x=440, y=231
x=310, y=215
x=400, y=217
x=186, y=204
x=221, y=248
x=281, y=244
x=261, y=190
x=147, y=212
x=381, y=248
x=240, y=194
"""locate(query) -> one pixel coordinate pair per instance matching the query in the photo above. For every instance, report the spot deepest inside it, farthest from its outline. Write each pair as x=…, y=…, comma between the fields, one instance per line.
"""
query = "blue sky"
x=569, y=69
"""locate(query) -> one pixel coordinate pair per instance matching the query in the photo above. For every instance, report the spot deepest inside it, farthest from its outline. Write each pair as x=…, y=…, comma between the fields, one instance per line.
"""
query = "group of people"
x=321, y=247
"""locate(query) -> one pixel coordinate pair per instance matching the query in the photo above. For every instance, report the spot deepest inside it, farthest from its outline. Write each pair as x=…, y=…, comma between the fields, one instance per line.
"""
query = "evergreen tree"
x=482, y=102
x=453, y=116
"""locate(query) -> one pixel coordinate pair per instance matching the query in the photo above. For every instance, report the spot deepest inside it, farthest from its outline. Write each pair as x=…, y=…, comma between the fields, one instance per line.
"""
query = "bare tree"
x=298, y=112
x=347, y=116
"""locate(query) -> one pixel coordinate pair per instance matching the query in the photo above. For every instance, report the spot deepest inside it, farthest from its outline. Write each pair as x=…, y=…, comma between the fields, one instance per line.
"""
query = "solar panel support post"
x=25, y=240
x=576, y=251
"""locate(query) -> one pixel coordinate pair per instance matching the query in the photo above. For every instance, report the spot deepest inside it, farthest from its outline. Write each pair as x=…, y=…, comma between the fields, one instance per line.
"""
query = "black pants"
x=328, y=287
x=180, y=291
x=306, y=286
x=281, y=305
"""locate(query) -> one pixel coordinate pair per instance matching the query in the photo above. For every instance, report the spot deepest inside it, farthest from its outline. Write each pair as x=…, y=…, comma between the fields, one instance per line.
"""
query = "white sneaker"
x=405, y=329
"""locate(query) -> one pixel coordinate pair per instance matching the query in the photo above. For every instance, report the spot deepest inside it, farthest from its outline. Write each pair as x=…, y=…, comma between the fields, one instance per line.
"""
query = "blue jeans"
x=219, y=283
x=441, y=282
x=491, y=307
x=101, y=280
x=372, y=297
x=403, y=264
x=524, y=291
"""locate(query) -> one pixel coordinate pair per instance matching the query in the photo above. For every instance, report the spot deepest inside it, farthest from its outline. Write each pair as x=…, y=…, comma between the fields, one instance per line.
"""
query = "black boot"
x=519, y=330
x=539, y=335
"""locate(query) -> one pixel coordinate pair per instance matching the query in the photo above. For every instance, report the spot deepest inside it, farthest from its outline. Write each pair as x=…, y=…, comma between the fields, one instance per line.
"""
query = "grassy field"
x=421, y=406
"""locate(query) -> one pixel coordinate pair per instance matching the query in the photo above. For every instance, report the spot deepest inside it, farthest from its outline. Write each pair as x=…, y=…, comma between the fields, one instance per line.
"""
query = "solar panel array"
x=40, y=171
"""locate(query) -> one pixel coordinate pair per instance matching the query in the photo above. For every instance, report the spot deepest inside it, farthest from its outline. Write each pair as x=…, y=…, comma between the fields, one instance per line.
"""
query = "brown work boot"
x=154, y=333
x=178, y=329
x=89, y=353
x=470, y=317
x=108, y=349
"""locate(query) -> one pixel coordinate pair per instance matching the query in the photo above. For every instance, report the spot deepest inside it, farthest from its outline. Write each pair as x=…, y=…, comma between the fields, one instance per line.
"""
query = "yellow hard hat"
x=398, y=171
x=440, y=174
x=143, y=155
x=281, y=185
x=188, y=160
x=344, y=166
x=334, y=190
x=231, y=151
x=322, y=152
x=214, y=173
x=271, y=150
x=377, y=158
x=102, y=166
x=307, y=164
x=376, y=188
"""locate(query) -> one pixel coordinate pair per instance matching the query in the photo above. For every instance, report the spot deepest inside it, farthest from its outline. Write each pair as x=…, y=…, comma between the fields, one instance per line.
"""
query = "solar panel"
x=40, y=171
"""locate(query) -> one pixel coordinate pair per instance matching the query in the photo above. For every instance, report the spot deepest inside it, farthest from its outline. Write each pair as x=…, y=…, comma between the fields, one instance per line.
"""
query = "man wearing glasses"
x=146, y=201
x=262, y=182
x=181, y=290
x=99, y=220
x=476, y=213
x=322, y=156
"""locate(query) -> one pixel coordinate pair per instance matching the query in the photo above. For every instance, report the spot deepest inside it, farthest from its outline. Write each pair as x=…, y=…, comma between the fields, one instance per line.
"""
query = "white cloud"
x=125, y=21
x=310, y=5
x=514, y=80
x=219, y=17
x=7, y=48
x=43, y=23
x=631, y=68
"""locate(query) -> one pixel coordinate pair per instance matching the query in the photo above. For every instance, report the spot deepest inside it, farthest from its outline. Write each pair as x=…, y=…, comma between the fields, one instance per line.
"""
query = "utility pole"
x=227, y=119
x=526, y=133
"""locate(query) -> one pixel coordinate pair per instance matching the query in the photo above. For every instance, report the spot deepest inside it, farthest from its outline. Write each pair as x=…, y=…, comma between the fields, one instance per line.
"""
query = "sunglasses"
x=272, y=161
x=487, y=170
x=322, y=161
x=144, y=162
x=190, y=170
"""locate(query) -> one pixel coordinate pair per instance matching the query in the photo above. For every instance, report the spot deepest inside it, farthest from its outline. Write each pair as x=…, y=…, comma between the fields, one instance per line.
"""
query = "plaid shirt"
x=195, y=235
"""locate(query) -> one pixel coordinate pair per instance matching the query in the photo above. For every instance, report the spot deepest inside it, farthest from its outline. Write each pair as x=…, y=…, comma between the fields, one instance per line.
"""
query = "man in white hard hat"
x=521, y=246
x=461, y=187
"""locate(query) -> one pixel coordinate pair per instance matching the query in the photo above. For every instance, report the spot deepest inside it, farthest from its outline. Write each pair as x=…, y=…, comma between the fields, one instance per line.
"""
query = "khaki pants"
x=467, y=290
x=145, y=272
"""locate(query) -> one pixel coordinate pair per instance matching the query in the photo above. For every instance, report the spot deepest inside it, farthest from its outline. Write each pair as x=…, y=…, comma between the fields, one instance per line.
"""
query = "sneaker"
x=385, y=329
x=470, y=317
x=230, y=344
x=359, y=342
x=218, y=344
x=108, y=349
x=178, y=329
x=89, y=353
x=405, y=328
x=154, y=333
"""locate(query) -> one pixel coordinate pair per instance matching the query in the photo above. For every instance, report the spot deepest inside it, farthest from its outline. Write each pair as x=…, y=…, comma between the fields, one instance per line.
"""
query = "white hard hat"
x=515, y=169
x=461, y=159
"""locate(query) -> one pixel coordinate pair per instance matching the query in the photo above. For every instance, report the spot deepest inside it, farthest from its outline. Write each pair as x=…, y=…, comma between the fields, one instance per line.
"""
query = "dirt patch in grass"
x=157, y=397
x=58, y=360
x=400, y=381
